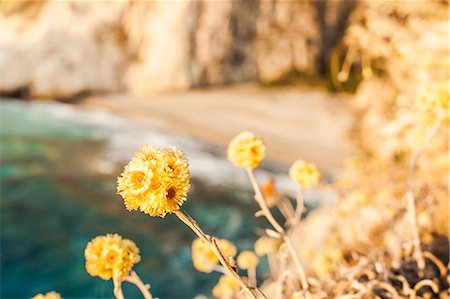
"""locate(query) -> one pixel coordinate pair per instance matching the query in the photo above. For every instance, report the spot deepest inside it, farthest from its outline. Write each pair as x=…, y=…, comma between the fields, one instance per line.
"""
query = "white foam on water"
x=124, y=136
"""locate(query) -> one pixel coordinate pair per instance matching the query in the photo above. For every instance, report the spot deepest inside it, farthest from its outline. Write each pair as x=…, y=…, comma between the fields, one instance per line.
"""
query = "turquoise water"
x=58, y=192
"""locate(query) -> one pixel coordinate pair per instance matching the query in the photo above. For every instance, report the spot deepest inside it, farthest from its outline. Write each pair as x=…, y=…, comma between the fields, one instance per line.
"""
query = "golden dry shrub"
x=203, y=257
x=111, y=256
x=247, y=259
x=155, y=181
x=246, y=150
x=226, y=288
x=305, y=174
x=265, y=245
x=49, y=295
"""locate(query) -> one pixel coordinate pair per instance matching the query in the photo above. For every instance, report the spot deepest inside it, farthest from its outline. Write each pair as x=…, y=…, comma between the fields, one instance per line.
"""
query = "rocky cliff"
x=61, y=49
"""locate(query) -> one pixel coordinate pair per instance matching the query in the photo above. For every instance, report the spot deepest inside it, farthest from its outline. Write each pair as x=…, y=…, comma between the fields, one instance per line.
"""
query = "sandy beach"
x=296, y=123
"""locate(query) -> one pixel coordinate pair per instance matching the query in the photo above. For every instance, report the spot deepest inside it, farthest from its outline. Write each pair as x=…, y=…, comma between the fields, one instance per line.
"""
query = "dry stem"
x=298, y=265
x=134, y=279
x=215, y=248
x=262, y=204
x=251, y=272
x=300, y=205
x=410, y=194
x=272, y=264
x=118, y=289
x=286, y=209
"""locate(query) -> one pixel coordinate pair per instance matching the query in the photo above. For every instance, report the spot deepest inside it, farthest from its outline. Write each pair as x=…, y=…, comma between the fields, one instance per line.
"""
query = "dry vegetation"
x=364, y=246
x=387, y=237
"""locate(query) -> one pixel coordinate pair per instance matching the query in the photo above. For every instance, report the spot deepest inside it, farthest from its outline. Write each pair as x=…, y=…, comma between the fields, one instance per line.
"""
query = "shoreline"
x=295, y=123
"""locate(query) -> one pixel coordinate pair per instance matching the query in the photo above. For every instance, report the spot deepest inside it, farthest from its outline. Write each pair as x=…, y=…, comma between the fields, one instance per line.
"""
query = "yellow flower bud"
x=226, y=288
x=359, y=198
x=266, y=245
x=203, y=257
x=322, y=265
x=246, y=150
x=111, y=256
x=247, y=260
x=304, y=174
x=49, y=295
x=435, y=100
x=270, y=193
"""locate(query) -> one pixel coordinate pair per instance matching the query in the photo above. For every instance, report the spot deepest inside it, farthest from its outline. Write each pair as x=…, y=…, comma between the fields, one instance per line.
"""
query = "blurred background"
x=85, y=83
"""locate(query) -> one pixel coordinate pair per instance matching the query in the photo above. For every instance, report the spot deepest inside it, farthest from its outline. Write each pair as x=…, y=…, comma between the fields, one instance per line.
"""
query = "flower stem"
x=135, y=279
x=410, y=196
x=300, y=205
x=286, y=209
x=273, y=266
x=211, y=241
x=118, y=289
x=298, y=265
x=262, y=204
x=251, y=272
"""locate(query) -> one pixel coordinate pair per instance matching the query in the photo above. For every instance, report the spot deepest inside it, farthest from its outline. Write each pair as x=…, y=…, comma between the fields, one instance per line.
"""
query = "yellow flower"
x=156, y=181
x=247, y=259
x=297, y=295
x=266, y=245
x=322, y=265
x=203, y=257
x=358, y=198
x=226, y=288
x=110, y=256
x=304, y=174
x=435, y=100
x=246, y=150
x=49, y=295
x=270, y=192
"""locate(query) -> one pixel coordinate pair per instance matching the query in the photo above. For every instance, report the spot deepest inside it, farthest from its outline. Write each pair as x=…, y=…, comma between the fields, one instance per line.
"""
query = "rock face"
x=287, y=39
x=191, y=43
x=66, y=48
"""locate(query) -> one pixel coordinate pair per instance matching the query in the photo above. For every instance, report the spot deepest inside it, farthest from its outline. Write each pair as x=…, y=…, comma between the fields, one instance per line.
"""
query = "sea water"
x=59, y=165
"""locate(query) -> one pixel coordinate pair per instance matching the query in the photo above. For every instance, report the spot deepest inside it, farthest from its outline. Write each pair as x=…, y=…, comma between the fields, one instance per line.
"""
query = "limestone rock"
x=159, y=34
x=287, y=39
x=62, y=49
x=69, y=48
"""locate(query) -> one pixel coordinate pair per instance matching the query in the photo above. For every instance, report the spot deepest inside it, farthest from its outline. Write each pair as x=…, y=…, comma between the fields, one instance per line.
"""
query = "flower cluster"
x=204, y=258
x=155, y=181
x=49, y=295
x=111, y=256
x=304, y=174
x=226, y=288
x=246, y=150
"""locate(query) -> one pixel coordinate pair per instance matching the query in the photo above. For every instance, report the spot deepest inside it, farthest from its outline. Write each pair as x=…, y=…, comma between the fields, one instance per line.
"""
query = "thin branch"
x=190, y=222
x=298, y=264
x=135, y=279
x=262, y=204
x=300, y=205
x=410, y=195
x=251, y=272
x=421, y=149
x=118, y=289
